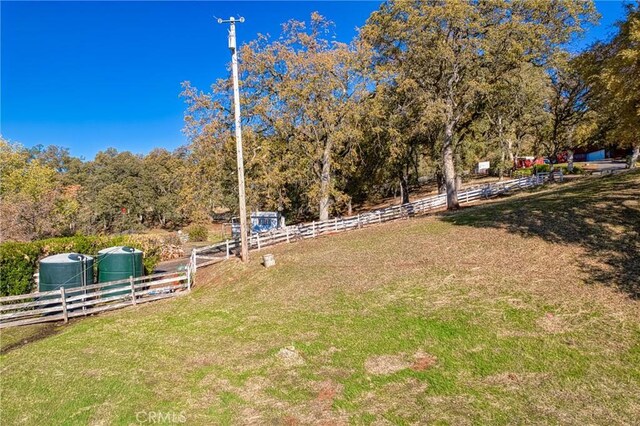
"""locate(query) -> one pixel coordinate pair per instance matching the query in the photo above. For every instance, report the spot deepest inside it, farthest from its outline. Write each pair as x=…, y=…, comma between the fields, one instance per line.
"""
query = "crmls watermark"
x=159, y=417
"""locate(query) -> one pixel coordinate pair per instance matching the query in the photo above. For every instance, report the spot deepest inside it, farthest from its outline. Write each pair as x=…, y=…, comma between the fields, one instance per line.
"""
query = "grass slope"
x=489, y=315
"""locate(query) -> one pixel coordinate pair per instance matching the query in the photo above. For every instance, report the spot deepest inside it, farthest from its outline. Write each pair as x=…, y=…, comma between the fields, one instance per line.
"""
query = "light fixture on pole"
x=244, y=248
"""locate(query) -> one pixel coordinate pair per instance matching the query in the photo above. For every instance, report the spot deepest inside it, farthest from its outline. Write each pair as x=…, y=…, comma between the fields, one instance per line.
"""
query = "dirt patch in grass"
x=386, y=364
x=328, y=391
x=381, y=365
x=423, y=362
x=290, y=357
x=515, y=380
x=290, y=421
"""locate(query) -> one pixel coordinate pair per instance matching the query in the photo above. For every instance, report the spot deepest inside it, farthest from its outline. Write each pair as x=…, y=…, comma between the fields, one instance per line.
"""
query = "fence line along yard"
x=75, y=302
x=65, y=303
x=222, y=251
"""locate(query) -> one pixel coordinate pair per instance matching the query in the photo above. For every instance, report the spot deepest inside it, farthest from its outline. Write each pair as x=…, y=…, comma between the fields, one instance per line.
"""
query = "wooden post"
x=379, y=217
x=258, y=240
x=194, y=266
x=63, y=296
x=313, y=228
x=133, y=290
x=359, y=224
x=335, y=224
x=188, y=278
x=287, y=232
x=227, y=242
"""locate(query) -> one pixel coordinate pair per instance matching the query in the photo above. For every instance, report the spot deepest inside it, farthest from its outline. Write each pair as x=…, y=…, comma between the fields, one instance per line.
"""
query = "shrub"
x=522, y=173
x=198, y=233
x=576, y=170
x=19, y=261
x=541, y=168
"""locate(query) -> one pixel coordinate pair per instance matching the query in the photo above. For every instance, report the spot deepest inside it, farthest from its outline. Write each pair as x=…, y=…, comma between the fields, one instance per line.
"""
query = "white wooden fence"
x=222, y=251
x=65, y=303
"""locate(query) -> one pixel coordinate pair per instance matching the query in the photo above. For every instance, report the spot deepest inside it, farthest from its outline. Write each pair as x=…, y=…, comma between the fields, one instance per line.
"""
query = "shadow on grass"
x=16, y=337
x=601, y=215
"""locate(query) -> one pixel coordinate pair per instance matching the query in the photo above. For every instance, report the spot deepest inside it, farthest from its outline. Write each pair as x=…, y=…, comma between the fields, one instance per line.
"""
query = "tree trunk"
x=634, y=156
x=501, y=166
x=510, y=151
x=449, y=168
x=570, y=160
x=502, y=149
x=457, y=161
x=512, y=157
x=404, y=188
x=440, y=182
x=325, y=182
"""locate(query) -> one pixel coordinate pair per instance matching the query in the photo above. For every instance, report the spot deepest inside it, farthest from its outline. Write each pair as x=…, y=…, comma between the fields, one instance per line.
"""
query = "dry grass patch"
x=386, y=364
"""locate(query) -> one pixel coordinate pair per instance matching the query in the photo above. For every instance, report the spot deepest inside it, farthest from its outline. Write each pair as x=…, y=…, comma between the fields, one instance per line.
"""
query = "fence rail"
x=221, y=251
x=65, y=303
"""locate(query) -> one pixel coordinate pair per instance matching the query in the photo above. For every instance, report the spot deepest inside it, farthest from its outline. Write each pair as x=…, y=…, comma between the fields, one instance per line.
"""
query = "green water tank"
x=65, y=270
x=117, y=263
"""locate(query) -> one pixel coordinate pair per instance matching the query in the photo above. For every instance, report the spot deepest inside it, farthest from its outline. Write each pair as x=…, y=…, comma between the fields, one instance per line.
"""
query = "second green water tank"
x=118, y=263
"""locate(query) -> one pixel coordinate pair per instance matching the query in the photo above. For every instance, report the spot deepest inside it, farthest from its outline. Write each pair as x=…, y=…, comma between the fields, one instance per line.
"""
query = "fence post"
x=63, y=296
x=195, y=266
x=133, y=290
x=189, y=278
x=379, y=217
x=286, y=230
x=258, y=240
x=359, y=224
x=313, y=228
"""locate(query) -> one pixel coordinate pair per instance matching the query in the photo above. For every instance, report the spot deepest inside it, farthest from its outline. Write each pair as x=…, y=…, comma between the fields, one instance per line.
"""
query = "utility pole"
x=244, y=250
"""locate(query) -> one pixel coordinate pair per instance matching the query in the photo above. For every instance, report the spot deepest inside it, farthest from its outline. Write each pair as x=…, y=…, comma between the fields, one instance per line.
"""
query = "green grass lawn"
x=494, y=314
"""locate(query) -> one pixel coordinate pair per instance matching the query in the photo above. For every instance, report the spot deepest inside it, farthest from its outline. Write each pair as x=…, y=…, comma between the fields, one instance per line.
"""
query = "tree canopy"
x=425, y=91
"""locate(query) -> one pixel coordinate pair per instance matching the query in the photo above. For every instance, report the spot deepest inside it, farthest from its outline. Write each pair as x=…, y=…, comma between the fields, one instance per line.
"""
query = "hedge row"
x=19, y=261
x=546, y=168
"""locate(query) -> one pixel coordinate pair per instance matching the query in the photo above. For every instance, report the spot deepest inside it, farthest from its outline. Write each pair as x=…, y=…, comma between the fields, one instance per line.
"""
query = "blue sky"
x=93, y=75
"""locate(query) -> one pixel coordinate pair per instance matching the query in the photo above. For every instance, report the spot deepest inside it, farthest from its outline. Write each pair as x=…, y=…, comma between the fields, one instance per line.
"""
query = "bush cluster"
x=522, y=173
x=576, y=170
x=541, y=168
x=19, y=261
x=197, y=233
